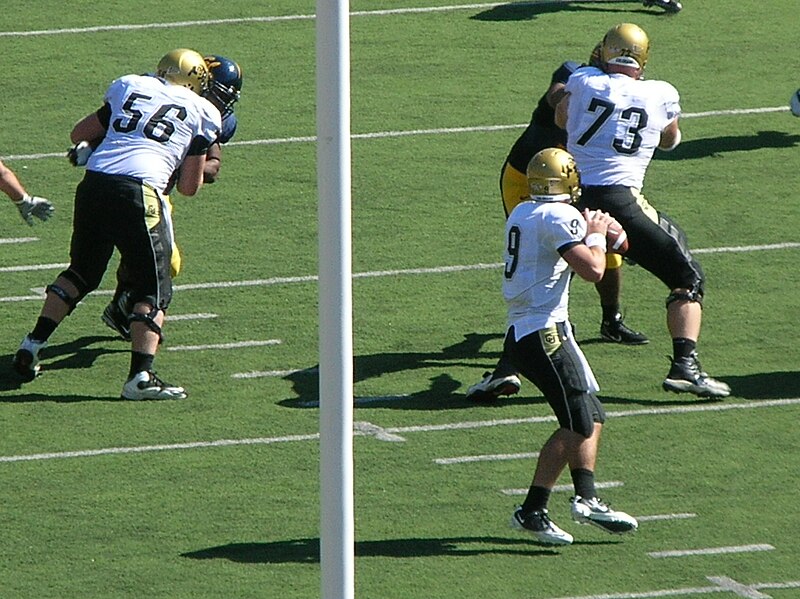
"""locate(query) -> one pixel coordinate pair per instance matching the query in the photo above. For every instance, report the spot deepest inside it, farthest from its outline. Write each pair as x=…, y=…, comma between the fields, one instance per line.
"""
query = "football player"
x=224, y=91
x=150, y=127
x=547, y=240
x=28, y=205
x=542, y=132
x=615, y=120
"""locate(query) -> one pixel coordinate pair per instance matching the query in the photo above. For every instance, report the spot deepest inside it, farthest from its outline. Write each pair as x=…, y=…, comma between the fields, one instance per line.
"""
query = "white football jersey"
x=536, y=278
x=614, y=124
x=152, y=125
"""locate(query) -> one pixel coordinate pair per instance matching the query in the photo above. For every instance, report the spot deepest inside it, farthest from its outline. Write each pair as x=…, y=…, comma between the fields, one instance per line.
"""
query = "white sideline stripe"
x=361, y=275
x=486, y=458
x=711, y=551
x=198, y=316
x=399, y=430
x=234, y=345
x=656, y=517
x=611, y=484
x=411, y=132
x=722, y=584
x=18, y=239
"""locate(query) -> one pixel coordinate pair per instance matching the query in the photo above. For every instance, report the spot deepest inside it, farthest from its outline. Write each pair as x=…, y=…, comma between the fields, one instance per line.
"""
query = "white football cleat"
x=539, y=525
x=492, y=387
x=26, y=360
x=593, y=511
x=146, y=385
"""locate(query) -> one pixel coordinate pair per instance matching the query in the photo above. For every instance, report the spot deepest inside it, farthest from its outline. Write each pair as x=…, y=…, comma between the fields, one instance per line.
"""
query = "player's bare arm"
x=213, y=163
x=88, y=128
x=670, y=136
x=190, y=179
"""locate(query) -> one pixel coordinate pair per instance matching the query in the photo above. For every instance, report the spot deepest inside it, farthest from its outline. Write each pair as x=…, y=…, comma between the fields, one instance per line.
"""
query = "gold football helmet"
x=186, y=68
x=553, y=176
x=626, y=45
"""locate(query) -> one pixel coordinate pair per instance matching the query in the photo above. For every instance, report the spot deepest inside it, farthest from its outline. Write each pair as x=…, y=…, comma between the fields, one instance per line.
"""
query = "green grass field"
x=217, y=496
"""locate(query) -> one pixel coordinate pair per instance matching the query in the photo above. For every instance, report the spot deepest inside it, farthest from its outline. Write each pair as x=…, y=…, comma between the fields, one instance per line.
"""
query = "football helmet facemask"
x=186, y=68
x=625, y=45
x=553, y=176
x=225, y=88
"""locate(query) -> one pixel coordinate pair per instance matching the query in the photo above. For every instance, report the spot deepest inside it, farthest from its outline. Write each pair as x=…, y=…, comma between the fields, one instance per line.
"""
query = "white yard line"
x=232, y=345
x=269, y=19
x=415, y=132
x=497, y=457
x=399, y=431
x=609, y=484
x=6, y=240
x=721, y=584
x=711, y=551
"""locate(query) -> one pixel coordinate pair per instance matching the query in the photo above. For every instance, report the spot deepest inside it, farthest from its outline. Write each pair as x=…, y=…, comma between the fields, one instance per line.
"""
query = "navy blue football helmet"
x=226, y=82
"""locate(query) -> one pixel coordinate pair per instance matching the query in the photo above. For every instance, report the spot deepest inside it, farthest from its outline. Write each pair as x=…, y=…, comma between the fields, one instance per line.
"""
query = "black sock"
x=140, y=362
x=610, y=313
x=583, y=481
x=683, y=347
x=536, y=500
x=43, y=329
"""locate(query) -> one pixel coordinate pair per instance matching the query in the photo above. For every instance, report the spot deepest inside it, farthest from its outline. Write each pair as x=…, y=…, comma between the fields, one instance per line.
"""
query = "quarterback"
x=547, y=240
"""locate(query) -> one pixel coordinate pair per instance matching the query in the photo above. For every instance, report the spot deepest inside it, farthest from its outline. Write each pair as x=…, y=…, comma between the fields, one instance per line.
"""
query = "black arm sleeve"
x=198, y=146
x=104, y=114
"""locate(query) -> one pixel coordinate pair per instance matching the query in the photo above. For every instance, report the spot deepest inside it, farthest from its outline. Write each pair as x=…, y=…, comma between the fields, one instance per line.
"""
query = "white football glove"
x=30, y=206
x=78, y=155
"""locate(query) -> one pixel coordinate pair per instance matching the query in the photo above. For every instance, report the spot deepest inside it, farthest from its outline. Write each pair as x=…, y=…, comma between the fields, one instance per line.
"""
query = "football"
x=794, y=103
x=616, y=237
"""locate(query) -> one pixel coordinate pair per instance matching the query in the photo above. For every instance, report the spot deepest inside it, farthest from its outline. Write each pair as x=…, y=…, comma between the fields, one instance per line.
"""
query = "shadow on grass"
x=76, y=354
x=307, y=550
x=528, y=11
x=765, y=385
x=718, y=146
x=443, y=391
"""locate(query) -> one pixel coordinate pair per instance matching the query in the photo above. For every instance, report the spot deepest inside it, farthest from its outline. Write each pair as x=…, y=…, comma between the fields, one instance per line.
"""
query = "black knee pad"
x=63, y=296
x=694, y=294
x=148, y=319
